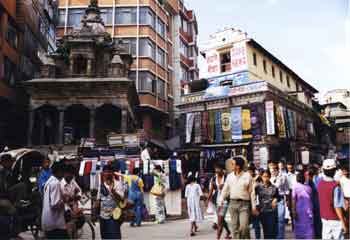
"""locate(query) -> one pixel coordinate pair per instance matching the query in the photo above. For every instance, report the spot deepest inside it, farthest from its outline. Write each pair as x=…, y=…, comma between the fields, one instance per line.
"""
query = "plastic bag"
x=210, y=208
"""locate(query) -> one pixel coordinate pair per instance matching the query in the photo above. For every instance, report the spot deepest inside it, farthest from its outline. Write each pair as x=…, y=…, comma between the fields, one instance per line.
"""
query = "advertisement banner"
x=237, y=79
x=255, y=119
x=280, y=122
x=213, y=63
x=189, y=126
x=216, y=92
x=270, y=118
x=226, y=125
x=248, y=88
x=246, y=124
x=236, y=123
x=239, y=61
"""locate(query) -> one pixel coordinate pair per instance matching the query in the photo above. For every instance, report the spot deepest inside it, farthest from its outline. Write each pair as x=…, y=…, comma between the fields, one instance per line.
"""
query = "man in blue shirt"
x=44, y=175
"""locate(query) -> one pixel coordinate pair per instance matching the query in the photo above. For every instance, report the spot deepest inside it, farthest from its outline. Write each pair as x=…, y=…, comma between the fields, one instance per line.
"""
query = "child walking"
x=193, y=193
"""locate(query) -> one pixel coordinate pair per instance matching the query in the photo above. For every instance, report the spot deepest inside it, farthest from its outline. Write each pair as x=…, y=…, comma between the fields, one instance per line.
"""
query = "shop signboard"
x=216, y=92
x=192, y=98
x=264, y=157
x=270, y=118
x=253, y=87
x=237, y=79
x=213, y=63
x=239, y=61
x=87, y=142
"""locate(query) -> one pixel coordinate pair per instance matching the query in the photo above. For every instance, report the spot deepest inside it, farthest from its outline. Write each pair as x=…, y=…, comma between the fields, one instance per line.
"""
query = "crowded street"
x=174, y=119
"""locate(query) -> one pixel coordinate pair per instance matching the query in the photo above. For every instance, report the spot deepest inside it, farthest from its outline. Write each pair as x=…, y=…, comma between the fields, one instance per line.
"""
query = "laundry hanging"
x=189, y=126
x=246, y=124
x=236, y=123
x=218, y=128
x=226, y=125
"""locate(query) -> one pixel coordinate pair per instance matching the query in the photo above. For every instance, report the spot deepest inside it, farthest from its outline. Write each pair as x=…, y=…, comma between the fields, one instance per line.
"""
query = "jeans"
x=269, y=223
x=240, y=211
x=256, y=226
x=138, y=212
x=281, y=210
x=57, y=234
x=110, y=229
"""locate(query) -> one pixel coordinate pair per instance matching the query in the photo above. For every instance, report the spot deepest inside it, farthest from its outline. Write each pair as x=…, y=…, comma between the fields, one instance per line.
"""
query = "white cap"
x=329, y=164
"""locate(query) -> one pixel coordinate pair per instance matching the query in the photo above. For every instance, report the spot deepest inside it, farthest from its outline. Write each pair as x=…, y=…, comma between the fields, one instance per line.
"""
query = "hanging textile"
x=189, y=126
x=174, y=177
x=197, y=127
x=226, y=125
x=286, y=122
x=270, y=118
x=205, y=126
x=280, y=122
x=218, y=128
x=255, y=122
x=236, y=123
x=81, y=169
x=246, y=124
x=211, y=128
x=291, y=123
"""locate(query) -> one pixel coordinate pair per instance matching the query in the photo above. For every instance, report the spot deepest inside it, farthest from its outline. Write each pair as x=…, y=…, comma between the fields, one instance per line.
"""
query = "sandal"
x=193, y=234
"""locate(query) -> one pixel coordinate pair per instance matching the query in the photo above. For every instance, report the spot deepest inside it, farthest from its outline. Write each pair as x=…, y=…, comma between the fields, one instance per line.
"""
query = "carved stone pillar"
x=92, y=123
x=89, y=67
x=124, y=121
x=60, y=125
x=30, y=126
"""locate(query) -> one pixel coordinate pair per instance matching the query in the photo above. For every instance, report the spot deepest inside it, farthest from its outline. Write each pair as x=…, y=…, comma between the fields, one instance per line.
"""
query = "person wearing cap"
x=331, y=203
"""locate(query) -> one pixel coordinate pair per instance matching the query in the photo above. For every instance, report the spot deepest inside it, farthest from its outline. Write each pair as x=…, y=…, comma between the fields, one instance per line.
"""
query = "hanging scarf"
x=218, y=128
x=189, y=126
x=246, y=124
x=255, y=122
x=205, y=126
x=197, y=127
x=226, y=125
x=211, y=128
x=236, y=123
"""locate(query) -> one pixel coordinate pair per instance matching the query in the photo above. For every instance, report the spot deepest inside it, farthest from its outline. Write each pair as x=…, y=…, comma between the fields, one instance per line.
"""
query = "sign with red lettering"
x=213, y=63
x=239, y=61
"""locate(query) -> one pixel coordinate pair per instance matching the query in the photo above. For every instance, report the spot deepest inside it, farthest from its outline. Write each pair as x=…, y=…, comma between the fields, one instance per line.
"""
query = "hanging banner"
x=286, y=122
x=253, y=87
x=255, y=119
x=226, y=125
x=264, y=157
x=189, y=126
x=213, y=63
x=270, y=118
x=236, y=123
x=205, y=126
x=197, y=127
x=280, y=122
x=246, y=124
x=291, y=123
x=211, y=124
x=216, y=92
x=218, y=128
x=239, y=61
x=305, y=157
x=237, y=79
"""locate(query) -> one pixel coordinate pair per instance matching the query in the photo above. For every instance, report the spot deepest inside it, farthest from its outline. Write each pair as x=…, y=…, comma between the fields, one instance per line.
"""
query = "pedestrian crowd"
x=314, y=198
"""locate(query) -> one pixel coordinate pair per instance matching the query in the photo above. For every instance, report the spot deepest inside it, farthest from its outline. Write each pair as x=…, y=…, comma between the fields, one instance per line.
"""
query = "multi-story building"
x=27, y=30
x=162, y=39
x=252, y=104
x=338, y=95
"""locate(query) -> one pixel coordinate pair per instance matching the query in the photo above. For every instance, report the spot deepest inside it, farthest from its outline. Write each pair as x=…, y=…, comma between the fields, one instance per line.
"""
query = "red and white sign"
x=239, y=61
x=213, y=63
x=270, y=118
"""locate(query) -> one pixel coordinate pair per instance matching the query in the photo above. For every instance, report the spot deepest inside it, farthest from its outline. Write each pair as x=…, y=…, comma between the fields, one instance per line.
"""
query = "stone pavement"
x=179, y=229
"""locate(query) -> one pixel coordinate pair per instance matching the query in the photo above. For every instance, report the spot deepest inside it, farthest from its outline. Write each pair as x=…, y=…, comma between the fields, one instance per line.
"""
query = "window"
x=147, y=81
x=107, y=15
x=147, y=17
x=126, y=15
x=161, y=88
x=147, y=48
x=184, y=74
x=264, y=65
x=184, y=25
x=297, y=87
x=225, y=62
x=74, y=17
x=273, y=71
x=62, y=18
x=288, y=82
x=10, y=70
x=184, y=49
x=130, y=44
x=161, y=57
x=254, y=59
x=11, y=35
x=160, y=27
x=281, y=76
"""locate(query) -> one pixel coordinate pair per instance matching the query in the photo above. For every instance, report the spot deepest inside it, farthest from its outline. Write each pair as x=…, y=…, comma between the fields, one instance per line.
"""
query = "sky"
x=312, y=37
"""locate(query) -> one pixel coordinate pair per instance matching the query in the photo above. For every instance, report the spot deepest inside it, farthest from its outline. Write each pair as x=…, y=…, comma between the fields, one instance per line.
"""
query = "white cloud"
x=272, y=2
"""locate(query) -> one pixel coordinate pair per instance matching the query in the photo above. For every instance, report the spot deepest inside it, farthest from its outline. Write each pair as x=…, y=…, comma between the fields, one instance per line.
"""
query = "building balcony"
x=185, y=60
x=186, y=36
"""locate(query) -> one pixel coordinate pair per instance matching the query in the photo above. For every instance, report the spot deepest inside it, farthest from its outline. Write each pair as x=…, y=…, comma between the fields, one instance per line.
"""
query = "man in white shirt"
x=53, y=222
x=239, y=187
x=145, y=156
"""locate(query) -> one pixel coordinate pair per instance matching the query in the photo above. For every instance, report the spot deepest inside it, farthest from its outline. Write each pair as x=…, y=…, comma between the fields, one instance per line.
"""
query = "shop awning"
x=225, y=145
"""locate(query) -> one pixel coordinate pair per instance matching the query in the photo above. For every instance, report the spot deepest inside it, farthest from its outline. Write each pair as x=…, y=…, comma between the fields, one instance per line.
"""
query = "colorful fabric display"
x=178, y=166
x=255, y=122
x=211, y=127
x=87, y=169
x=81, y=169
x=246, y=124
x=189, y=126
x=107, y=158
x=148, y=181
x=146, y=167
x=218, y=127
x=205, y=126
x=122, y=165
x=286, y=122
x=93, y=167
x=291, y=123
x=197, y=127
x=131, y=166
x=236, y=123
x=280, y=122
x=174, y=177
x=226, y=125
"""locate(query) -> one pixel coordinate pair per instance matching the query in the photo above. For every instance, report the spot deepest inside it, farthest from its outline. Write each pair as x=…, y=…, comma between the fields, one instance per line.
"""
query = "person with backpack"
x=215, y=187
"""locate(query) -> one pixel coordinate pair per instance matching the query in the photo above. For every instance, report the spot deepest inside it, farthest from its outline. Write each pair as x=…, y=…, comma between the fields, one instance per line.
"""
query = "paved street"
x=171, y=230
